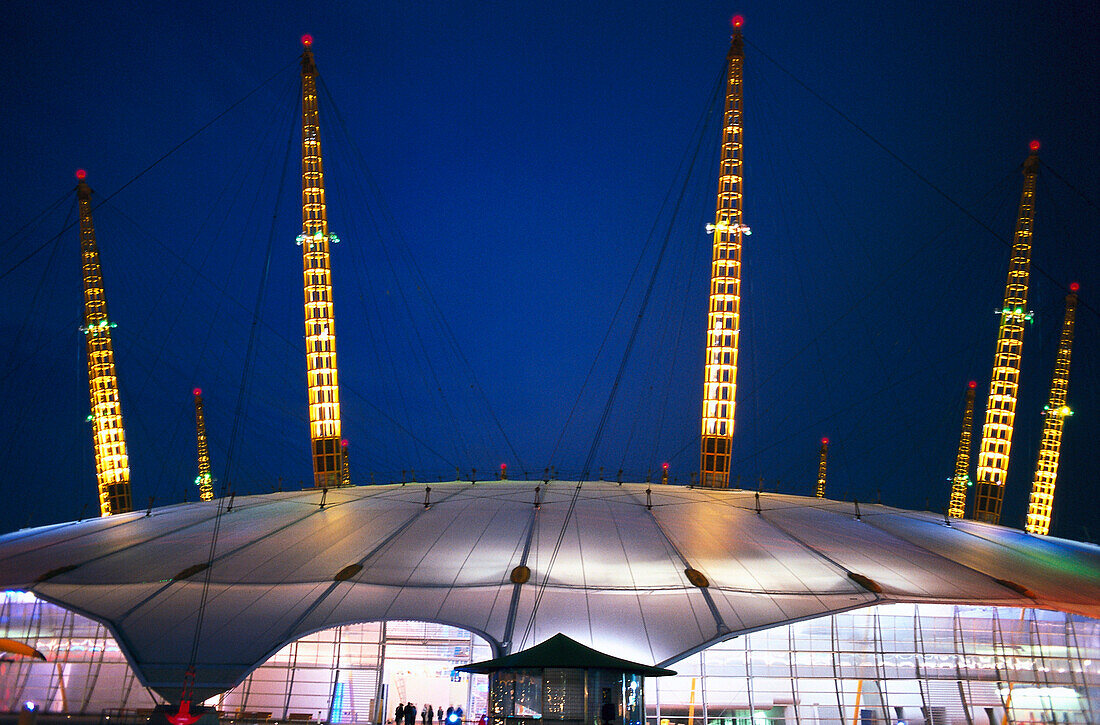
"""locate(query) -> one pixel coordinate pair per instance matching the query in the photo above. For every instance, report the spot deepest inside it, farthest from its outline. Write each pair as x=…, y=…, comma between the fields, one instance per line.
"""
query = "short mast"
x=324, y=391
x=956, y=508
x=205, y=481
x=345, y=470
x=1000, y=411
x=112, y=464
x=724, y=312
x=819, y=490
x=1055, y=413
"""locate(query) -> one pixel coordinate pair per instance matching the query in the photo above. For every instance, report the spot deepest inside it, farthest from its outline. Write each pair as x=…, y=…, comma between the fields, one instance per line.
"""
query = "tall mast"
x=205, y=481
x=1000, y=411
x=724, y=312
x=112, y=464
x=819, y=490
x=1055, y=413
x=324, y=391
x=956, y=509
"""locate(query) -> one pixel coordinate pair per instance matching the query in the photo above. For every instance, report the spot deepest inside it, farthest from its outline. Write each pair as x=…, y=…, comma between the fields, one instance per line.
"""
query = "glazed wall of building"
x=918, y=664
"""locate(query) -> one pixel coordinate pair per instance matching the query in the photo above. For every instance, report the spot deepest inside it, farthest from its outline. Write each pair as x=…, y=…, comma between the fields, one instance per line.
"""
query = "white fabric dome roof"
x=618, y=582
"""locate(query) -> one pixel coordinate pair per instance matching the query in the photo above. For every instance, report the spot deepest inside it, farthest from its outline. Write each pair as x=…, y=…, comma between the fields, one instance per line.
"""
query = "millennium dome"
x=647, y=573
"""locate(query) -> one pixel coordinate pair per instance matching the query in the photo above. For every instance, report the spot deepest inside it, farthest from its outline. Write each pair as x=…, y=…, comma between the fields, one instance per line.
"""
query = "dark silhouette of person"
x=607, y=709
x=399, y=714
x=450, y=711
x=439, y=714
x=410, y=714
x=431, y=715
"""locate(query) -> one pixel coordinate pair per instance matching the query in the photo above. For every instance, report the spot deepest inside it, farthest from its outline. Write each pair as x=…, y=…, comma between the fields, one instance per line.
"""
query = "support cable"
x=242, y=395
x=151, y=166
x=614, y=390
x=707, y=110
x=37, y=217
x=911, y=169
x=449, y=335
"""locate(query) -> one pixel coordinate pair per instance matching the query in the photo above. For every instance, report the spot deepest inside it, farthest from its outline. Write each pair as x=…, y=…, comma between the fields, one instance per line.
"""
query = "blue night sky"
x=498, y=173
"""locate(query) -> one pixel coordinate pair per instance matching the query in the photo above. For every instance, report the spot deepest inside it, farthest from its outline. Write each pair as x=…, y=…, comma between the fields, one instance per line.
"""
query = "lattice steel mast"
x=324, y=391
x=819, y=490
x=205, y=481
x=956, y=508
x=724, y=312
x=112, y=464
x=1055, y=414
x=345, y=470
x=1000, y=411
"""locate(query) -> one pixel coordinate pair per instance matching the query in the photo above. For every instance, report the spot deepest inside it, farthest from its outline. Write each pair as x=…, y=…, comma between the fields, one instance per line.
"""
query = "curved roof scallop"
x=605, y=568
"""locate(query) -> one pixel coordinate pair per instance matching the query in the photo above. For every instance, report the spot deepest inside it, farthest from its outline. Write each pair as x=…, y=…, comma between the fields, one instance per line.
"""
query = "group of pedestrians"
x=405, y=714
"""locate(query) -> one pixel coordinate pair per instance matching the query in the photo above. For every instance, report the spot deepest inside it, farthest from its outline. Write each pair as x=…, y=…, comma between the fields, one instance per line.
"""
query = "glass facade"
x=918, y=664
x=928, y=664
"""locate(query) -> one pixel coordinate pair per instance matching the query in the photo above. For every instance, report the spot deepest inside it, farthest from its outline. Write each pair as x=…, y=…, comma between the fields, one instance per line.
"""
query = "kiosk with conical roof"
x=562, y=681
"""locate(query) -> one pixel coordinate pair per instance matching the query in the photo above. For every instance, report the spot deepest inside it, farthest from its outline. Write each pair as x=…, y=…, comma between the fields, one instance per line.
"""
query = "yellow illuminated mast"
x=1055, y=413
x=204, y=480
x=324, y=391
x=724, y=312
x=956, y=509
x=1000, y=411
x=112, y=464
x=345, y=480
x=819, y=490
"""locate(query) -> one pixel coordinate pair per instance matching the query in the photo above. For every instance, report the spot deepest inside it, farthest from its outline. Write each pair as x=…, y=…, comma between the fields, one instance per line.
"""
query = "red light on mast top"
x=824, y=441
x=307, y=40
x=197, y=392
x=1073, y=286
x=972, y=384
x=344, y=443
x=737, y=21
x=664, y=466
x=1034, y=145
x=81, y=174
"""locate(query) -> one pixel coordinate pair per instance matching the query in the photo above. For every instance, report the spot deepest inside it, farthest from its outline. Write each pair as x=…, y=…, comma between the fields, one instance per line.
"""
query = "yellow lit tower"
x=204, y=480
x=324, y=391
x=819, y=490
x=1000, y=410
x=112, y=464
x=956, y=508
x=724, y=312
x=1055, y=413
